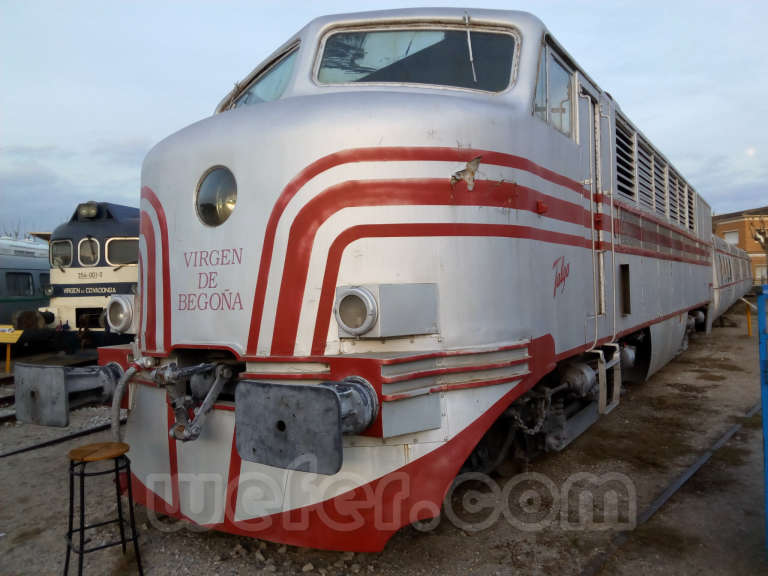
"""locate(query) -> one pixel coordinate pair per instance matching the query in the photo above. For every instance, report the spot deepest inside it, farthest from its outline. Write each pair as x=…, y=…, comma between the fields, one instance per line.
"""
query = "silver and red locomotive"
x=403, y=240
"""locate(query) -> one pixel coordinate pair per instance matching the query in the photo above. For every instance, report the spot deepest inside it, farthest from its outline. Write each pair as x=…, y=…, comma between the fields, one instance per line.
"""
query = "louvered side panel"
x=660, y=185
x=625, y=159
x=645, y=174
x=691, y=209
x=673, y=199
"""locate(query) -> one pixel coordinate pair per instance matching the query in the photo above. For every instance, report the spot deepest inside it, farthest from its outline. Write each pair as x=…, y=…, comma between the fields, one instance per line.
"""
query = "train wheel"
x=493, y=449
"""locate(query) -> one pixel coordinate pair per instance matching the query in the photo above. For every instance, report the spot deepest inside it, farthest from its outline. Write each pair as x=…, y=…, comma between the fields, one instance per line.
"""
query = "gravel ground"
x=659, y=429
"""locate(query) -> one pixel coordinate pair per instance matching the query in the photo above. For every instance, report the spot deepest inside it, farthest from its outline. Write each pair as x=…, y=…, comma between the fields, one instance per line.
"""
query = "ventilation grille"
x=682, y=201
x=645, y=174
x=660, y=185
x=673, y=184
x=625, y=159
x=691, y=209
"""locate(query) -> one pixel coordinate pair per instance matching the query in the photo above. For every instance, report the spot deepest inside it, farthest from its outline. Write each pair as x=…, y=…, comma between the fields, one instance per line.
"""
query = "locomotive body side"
x=493, y=246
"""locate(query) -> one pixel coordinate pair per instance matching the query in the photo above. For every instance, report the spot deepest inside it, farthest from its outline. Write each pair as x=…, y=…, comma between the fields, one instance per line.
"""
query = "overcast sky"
x=87, y=87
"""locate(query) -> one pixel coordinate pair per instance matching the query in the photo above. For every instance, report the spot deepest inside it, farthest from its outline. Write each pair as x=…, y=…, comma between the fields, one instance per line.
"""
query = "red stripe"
x=478, y=384
x=233, y=482
x=654, y=218
x=451, y=353
x=454, y=370
x=149, y=240
x=429, y=192
x=417, y=230
x=452, y=387
x=579, y=349
x=326, y=524
x=140, y=306
x=174, y=463
x=148, y=194
x=623, y=249
x=381, y=154
x=646, y=236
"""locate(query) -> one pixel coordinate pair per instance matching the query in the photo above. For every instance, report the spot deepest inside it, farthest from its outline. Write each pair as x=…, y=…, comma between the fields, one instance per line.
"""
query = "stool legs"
x=81, y=556
x=78, y=469
x=134, y=533
x=120, y=502
x=71, y=514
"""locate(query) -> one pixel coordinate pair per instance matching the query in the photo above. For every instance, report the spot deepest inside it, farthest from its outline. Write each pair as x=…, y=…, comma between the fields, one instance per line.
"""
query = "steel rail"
x=60, y=439
x=596, y=564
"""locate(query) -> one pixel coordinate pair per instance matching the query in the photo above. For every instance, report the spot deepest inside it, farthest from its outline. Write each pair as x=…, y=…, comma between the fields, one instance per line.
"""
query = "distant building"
x=739, y=228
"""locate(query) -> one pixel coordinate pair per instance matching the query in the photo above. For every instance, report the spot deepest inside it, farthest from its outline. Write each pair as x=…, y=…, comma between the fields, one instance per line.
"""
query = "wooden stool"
x=78, y=459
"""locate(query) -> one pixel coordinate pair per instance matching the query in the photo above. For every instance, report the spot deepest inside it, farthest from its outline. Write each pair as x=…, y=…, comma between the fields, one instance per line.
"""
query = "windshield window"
x=88, y=252
x=270, y=85
x=438, y=57
x=61, y=253
x=122, y=251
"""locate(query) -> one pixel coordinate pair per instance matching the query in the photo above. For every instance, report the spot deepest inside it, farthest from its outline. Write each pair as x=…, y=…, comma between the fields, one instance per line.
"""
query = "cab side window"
x=553, y=102
x=271, y=84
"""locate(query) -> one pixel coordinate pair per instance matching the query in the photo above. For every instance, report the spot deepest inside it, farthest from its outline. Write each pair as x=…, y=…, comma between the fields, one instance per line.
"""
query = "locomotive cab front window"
x=61, y=253
x=122, y=251
x=453, y=57
x=88, y=252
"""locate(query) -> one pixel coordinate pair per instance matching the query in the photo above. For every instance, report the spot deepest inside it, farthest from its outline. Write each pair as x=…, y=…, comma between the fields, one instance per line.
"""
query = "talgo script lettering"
x=206, y=293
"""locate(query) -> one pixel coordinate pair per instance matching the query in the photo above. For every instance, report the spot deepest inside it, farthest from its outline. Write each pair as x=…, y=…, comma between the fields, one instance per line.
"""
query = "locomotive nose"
x=207, y=195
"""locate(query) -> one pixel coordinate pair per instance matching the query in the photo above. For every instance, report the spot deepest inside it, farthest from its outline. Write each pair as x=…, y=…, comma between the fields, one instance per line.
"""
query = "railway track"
x=596, y=565
x=76, y=434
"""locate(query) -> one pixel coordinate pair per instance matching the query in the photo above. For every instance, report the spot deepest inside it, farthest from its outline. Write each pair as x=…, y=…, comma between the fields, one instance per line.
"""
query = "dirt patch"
x=712, y=377
x=667, y=540
x=25, y=535
x=754, y=422
x=726, y=366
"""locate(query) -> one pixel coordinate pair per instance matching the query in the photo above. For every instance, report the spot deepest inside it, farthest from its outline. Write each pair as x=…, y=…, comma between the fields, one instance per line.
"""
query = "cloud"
x=37, y=198
x=40, y=185
x=47, y=152
x=128, y=152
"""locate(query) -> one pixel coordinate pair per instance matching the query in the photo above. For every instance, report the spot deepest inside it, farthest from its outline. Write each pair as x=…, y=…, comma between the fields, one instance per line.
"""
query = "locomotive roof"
x=111, y=220
x=309, y=36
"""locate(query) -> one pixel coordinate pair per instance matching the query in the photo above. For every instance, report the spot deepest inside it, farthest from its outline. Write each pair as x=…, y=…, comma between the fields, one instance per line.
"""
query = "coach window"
x=45, y=282
x=553, y=101
x=61, y=253
x=19, y=284
x=88, y=252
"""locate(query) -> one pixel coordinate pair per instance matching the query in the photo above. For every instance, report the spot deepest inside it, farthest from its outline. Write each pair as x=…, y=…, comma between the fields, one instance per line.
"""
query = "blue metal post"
x=762, y=329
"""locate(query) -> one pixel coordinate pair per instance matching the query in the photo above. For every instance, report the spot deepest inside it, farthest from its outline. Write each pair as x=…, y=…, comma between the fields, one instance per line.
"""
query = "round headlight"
x=119, y=313
x=356, y=310
x=216, y=196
